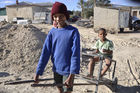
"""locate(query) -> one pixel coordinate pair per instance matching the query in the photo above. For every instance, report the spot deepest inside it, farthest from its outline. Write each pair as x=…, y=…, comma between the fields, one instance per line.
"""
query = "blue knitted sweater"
x=63, y=45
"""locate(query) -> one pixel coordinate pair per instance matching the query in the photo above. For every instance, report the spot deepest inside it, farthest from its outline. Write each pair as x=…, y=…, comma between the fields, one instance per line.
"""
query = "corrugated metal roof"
x=31, y=4
x=45, y=4
x=20, y=4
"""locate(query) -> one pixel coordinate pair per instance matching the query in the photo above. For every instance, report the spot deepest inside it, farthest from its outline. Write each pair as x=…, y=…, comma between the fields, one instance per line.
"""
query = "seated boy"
x=103, y=47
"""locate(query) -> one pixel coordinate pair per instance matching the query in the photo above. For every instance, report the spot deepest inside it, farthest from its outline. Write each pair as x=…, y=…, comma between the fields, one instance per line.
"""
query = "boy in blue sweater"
x=63, y=45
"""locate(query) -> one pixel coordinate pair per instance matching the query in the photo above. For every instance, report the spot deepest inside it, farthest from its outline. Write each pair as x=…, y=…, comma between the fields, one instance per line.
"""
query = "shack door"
x=124, y=19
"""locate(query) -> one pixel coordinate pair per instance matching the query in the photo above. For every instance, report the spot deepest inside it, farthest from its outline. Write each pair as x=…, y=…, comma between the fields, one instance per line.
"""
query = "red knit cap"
x=59, y=8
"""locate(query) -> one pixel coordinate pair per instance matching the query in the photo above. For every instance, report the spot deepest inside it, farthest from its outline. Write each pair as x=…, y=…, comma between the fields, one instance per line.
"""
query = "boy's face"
x=60, y=19
x=102, y=35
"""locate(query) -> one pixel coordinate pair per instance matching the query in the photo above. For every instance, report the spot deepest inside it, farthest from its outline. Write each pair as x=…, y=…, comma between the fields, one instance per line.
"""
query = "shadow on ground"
x=125, y=89
x=129, y=32
x=4, y=74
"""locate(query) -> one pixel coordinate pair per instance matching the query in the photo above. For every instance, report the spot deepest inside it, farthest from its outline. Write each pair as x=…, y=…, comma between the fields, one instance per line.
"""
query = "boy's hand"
x=36, y=79
x=96, y=51
x=104, y=50
x=69, y=81
x=107, y=51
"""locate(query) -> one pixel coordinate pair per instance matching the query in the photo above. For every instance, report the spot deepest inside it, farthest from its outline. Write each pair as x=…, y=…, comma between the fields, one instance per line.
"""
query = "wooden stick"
x=52, y=85
x=24, y=81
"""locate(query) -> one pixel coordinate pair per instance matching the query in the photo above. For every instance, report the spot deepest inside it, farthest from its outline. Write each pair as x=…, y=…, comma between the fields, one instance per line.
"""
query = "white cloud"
x=125, y=2
x=6, y=2
x=115, y=1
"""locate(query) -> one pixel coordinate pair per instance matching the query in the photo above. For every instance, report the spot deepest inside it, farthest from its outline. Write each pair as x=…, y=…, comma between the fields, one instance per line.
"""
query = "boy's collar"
x=63, y=26
x=104, y=40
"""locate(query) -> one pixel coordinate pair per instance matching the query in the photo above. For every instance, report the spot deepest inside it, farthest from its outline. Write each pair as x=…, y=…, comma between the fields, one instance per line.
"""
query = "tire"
x=121, y=30
x=114, y=84
x=135, y=28
x=136, y=25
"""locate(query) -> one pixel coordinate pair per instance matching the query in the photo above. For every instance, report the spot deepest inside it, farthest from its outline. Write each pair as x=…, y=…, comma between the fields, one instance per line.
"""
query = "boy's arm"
x=96, y=47
x=75, y=57
x=36, y=79
x=46, y=51
x=110, y=49
x=69, y=81
x=96, y=51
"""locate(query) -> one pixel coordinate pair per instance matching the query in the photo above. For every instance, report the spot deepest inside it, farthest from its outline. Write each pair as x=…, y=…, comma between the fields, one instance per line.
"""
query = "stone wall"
x=25, y=12
x=106, y=18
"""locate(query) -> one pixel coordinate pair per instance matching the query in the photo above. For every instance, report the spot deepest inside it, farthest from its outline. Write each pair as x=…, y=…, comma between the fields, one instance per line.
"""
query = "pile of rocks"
x=85, y=23
x=20, y=47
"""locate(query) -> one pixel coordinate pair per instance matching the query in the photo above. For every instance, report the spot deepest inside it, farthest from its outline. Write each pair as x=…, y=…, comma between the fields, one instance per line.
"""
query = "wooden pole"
x=94, y=12
x=17, y=2
x=94, y=3
x=25, y=81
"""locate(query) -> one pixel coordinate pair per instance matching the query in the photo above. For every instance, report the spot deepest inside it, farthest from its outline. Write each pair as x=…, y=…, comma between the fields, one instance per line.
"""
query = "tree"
x=81, y=4
x=77, y=13
x=88, y=8
x=102, y=2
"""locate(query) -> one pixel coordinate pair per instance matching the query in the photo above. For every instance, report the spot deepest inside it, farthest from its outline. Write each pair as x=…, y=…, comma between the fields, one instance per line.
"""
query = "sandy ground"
x=20, y=48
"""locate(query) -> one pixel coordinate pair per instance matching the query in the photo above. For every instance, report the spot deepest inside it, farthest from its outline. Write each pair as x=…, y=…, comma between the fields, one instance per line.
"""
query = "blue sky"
x=125, y=2
x=71, y=4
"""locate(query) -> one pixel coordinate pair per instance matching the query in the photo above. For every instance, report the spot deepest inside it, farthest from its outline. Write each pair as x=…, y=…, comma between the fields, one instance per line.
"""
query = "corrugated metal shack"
x=29, y=11
x=111, y=18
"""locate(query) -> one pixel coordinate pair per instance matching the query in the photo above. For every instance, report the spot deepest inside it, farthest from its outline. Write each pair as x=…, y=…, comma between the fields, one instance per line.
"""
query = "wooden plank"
x=94, y=79
x=103, y=81
x=24, y=81
x=52, y=85
x=89, y=55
